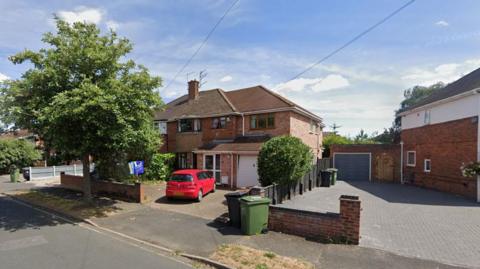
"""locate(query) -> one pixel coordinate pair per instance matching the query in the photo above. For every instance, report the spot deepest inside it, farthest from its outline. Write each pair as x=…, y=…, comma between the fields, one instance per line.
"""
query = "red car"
x=190, y=183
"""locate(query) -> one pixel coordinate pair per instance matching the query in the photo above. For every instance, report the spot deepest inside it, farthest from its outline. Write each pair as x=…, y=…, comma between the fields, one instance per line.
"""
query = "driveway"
x=212, y=206
x=407, y=220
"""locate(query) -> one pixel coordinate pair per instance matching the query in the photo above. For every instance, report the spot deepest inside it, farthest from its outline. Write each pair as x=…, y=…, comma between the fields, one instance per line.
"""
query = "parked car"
x=190, y=183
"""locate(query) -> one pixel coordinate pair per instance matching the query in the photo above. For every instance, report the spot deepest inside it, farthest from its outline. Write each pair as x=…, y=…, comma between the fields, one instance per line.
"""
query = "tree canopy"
x=83, y=97
x=18, y=152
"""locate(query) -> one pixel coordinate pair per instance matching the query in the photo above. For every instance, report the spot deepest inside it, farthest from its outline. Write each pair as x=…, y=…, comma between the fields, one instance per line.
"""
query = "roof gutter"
x=439, y=102
x=295, y=109
x=226, y=151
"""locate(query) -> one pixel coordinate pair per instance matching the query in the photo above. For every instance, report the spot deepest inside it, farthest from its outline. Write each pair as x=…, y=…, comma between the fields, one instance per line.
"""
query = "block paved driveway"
x=407, y=220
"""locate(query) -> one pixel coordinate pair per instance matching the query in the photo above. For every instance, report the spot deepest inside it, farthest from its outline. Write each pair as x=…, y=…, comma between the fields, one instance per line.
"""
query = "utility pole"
x=335, y=127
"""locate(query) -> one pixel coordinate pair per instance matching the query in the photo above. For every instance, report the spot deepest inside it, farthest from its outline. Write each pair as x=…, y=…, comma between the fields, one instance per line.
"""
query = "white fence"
x=52, y=171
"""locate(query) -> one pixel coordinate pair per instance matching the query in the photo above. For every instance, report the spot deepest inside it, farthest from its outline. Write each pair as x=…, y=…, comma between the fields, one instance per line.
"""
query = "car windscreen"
x=181, y=178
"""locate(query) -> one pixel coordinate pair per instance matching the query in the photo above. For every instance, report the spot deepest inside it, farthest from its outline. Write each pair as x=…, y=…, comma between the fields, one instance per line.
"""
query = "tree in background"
x=333, y=139
x=83, y=98
x=18, y=152
x=283, y=160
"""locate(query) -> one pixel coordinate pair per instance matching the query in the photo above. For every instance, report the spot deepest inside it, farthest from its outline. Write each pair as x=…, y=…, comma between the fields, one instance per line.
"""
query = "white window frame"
x=425, y=165
x=215, y=167
x=414, y=158
x=427, y=116
x=161, y=126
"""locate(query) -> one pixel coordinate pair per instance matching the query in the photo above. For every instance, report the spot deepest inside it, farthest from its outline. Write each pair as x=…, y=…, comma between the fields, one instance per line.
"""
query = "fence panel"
x=52, y=171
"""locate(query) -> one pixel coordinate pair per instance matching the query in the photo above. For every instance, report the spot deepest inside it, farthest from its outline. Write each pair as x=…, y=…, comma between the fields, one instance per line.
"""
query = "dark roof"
x=211, y=102
x=218, y=102
x=464, y=84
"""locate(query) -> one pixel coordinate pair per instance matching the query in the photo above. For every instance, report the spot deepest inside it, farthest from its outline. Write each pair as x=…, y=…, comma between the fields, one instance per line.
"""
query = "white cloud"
x=82, y=14
x=226, y=78
x=330, y=82
x=444, y=72
x=111, y=24
x=3, y=77
x=442, y=23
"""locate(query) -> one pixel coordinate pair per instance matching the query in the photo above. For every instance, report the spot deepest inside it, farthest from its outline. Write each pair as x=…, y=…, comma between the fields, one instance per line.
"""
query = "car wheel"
x=214, y=187
x=200, y=196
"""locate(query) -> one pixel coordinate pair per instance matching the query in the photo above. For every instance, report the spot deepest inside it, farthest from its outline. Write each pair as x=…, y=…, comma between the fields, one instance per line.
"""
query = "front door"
x=211, y=163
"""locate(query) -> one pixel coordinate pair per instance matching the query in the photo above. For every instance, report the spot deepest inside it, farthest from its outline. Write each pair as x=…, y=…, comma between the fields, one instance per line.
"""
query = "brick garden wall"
x=133, y=192
x=448, y=145
x=388, y=154
x=342, y=227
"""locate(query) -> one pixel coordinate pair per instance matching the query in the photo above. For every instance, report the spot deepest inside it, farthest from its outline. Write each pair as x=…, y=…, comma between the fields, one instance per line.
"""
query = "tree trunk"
x=87, y=189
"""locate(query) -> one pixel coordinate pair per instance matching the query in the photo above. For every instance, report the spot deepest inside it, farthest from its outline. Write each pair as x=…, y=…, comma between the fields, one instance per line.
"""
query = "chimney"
x=193, y=88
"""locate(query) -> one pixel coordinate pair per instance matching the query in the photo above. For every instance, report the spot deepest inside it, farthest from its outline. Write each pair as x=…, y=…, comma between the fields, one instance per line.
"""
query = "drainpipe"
x=243, y=124
x=401, y=162
x=231, y=170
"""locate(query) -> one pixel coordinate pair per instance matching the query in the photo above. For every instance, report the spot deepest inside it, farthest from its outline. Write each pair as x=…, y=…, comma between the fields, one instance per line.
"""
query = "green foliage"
x=470, y=170
x=363, y=138
x=334, y=139
x=417, y=93
x=18, y=153
x=283, y=160
x=160, y=166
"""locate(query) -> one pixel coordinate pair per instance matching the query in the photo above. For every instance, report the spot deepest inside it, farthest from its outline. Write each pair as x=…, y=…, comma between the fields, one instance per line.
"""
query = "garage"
x=247, y=175
x=352, y=166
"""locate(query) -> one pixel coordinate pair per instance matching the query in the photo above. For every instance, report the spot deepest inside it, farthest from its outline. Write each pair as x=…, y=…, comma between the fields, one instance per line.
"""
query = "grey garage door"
x=352, y=167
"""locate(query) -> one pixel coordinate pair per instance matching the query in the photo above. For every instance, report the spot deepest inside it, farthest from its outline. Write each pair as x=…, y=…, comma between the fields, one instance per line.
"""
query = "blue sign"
x=136, y=168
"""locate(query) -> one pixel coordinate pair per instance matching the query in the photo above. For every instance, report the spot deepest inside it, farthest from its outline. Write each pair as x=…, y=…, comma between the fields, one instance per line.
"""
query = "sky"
x=269, y=42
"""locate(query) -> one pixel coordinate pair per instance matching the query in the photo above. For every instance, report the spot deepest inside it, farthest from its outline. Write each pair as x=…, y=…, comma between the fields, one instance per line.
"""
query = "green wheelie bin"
x=254, y=214
x=333, y=176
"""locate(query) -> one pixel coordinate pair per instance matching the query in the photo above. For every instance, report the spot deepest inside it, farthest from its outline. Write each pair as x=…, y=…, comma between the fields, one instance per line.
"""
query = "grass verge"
x=242, y=257
x=73, y=207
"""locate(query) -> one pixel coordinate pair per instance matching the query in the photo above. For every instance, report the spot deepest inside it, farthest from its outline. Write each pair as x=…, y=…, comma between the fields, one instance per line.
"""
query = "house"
x=441, y=133
x=223, y=131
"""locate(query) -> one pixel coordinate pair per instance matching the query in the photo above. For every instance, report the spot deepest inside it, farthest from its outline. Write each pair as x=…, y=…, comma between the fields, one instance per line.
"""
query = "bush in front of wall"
x=283, y=160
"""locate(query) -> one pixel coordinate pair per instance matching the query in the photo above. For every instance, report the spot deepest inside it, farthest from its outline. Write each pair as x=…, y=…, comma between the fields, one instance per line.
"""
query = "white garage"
x=247, y=175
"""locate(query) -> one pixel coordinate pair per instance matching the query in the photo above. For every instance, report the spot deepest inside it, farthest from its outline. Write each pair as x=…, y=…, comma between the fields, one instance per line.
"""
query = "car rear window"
x=181, y=178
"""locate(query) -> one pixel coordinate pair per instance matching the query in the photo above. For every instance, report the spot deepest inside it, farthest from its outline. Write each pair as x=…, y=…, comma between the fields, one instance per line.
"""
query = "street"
x=30, y=238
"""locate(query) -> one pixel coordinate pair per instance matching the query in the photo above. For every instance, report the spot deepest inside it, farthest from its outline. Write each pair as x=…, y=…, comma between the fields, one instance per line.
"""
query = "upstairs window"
x=161, y=126
x=189, y=125
x=426, y=117
x=219, y=123
x=263, y=121
x=411, y=158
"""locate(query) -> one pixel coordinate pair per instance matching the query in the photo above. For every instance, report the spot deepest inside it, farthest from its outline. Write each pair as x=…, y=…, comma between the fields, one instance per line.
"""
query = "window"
x=263, y=121
x=181, y=178
x=212, y=164
x=426, y=117
x=182, y=160
x=427, y=165
x=189, y=125
x=161, y=126
x=219, y=123
x=312, y=126
x=411, y=158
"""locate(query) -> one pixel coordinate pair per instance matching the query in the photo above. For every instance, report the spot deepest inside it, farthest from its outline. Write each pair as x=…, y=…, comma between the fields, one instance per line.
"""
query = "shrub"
x=160, y=166
x=283, y=160
x=20, y=153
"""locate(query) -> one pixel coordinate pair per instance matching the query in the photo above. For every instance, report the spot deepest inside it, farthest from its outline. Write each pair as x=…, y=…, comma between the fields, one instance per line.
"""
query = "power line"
x=357, y=37
x=202, y=44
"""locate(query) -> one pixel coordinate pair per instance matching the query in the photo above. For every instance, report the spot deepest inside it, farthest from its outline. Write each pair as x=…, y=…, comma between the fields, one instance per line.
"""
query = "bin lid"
x=236, y=194
x=252, y=200
x=332, y=169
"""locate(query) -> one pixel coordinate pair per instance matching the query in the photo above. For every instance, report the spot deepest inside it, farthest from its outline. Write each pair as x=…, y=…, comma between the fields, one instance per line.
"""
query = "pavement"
x=199, y=236
x=407, y=220
x=7, y=186
x=32, y=239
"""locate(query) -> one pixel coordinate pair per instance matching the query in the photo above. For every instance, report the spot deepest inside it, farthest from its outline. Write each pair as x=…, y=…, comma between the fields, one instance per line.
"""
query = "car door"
x=201, y=182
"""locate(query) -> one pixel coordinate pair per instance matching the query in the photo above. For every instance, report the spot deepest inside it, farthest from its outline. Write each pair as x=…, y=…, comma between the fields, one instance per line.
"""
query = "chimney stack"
x=193, y=88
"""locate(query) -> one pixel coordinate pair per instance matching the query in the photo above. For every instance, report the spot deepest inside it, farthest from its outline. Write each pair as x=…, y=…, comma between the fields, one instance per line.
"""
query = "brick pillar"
x=140, y=190
x=350, y=218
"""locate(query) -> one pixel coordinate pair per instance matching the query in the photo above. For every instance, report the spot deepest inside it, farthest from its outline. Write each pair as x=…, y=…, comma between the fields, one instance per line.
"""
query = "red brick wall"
x=300, y=127
x=209, y=134
x=120, y=190
x=282, y=125
x=378, y=152
x=171, y=136
x=448, y=145
x=320, y=226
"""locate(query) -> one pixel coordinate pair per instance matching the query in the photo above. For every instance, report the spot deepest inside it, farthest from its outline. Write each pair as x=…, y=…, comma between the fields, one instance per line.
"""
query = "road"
x=33, y=239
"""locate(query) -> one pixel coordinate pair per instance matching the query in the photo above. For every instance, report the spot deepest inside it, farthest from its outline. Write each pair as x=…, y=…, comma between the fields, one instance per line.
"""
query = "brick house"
x=441, y=133
x=222, y=131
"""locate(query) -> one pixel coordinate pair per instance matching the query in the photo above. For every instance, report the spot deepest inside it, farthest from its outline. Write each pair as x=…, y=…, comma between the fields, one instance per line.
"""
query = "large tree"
x=83, y=97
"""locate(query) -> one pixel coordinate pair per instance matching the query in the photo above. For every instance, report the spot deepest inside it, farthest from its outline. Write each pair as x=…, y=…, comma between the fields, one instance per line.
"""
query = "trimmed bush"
x=160, y=166
x=20, y=153
x=283, y=160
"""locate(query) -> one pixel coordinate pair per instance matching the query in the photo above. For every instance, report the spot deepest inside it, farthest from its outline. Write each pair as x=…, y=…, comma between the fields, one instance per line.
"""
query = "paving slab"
x=407, y=220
